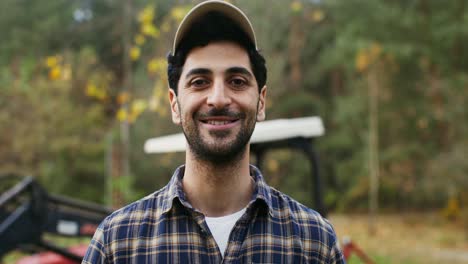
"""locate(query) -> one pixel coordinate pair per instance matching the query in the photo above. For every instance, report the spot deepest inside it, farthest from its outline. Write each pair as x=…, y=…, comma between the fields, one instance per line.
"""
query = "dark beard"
x=220, y=155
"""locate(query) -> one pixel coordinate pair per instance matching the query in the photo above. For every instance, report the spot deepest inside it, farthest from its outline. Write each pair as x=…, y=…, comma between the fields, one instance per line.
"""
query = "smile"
x=218, y=123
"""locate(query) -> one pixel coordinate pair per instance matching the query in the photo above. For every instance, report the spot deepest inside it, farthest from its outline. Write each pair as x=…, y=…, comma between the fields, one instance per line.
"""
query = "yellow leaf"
x=91, y=90
x=149, y=29
x=146, y=15
x=134, y=53
x=139, y=39
x=452, y=209
x=51, y=61
x=138, y=107
x=362, y=61
x=101, y=94
x=317, y=15
x=123, y=97
x=296, y=6
x=156, y=65
x=122, y=114
x=55, y=73
x=178, y=13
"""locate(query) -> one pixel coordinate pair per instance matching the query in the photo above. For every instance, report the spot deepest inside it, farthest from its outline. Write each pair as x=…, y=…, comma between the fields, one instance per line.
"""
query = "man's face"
x=218, y=102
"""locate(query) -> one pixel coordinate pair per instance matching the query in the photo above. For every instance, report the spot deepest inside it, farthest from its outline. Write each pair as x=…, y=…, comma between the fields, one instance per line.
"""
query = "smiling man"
x=217, y=103
x=217, y=207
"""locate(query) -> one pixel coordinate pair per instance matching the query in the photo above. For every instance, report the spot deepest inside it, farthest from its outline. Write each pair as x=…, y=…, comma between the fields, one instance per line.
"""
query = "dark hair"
x=214, y=27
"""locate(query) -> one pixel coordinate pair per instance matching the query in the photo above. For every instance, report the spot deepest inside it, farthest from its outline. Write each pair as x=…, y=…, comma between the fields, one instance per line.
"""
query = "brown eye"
x=199, y=83
x=238, y=82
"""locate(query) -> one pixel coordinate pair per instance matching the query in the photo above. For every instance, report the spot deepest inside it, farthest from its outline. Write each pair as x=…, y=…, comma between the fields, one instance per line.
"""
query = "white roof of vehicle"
x=266, y=131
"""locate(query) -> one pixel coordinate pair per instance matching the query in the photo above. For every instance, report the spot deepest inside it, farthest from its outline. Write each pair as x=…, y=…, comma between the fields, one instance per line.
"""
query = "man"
x=217, y=208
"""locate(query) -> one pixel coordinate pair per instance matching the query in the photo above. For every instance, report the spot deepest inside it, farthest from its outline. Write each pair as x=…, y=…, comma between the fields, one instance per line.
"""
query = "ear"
x=174, y=107
x=261, y=104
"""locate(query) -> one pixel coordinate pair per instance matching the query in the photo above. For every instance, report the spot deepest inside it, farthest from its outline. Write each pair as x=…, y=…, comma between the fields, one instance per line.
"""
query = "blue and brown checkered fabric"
x=164, y=228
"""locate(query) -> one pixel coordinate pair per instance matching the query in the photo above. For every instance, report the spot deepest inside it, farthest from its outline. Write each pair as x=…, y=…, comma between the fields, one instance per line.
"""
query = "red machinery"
x=350, y=247
x=27, y=212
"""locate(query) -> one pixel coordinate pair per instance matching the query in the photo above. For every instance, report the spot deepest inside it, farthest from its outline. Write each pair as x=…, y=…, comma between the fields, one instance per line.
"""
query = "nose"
x=219, y=96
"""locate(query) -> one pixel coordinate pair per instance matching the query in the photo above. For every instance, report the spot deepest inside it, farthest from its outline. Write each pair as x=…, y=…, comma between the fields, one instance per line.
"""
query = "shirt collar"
x=262, y=191
x=175, y=190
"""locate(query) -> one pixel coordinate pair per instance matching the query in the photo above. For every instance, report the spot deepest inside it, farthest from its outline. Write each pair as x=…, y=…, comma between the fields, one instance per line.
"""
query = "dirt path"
x=409, y=238
x=451, y=256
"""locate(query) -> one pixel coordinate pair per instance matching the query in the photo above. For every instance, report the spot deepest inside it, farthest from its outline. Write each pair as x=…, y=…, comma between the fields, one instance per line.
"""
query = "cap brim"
x=229, y=10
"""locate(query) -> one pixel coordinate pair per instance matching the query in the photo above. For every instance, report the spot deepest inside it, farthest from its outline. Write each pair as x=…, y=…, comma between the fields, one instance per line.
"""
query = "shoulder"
x=145, y=210
x=312, y=228
x=285, y=206
x=122, y=226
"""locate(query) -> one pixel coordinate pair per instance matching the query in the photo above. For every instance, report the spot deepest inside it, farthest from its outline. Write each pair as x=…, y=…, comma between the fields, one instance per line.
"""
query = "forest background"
x=83, y=85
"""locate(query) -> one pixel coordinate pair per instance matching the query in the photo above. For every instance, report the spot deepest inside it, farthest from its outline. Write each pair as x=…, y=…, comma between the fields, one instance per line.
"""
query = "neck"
x=218, y=189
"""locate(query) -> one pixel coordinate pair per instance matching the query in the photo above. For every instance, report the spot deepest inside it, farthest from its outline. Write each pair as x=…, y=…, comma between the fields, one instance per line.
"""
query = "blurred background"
x=83, y=86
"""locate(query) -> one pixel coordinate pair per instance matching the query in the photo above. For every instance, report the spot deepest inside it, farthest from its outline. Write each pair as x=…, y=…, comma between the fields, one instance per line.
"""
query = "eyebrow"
x=239, y=70
x=232, y=70
x=197, y=71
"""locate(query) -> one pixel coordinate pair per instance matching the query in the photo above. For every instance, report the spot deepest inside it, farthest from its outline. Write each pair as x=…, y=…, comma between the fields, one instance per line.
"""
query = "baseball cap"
x=229, y=10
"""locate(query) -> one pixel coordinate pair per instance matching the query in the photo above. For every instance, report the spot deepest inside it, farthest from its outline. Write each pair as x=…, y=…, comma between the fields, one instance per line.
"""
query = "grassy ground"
x=406, y=238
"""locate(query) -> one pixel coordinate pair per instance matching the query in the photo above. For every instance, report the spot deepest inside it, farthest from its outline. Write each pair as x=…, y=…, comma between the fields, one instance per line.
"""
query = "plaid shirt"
x=164, y=228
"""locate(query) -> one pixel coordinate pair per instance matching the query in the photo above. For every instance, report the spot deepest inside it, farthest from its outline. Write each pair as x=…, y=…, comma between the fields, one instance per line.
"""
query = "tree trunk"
x=373, y=84
x=296, y=45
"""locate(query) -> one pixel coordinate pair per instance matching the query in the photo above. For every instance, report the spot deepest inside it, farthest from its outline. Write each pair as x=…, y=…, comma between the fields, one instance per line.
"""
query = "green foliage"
x=418, y=118
x=55, y=130
x=44, y=138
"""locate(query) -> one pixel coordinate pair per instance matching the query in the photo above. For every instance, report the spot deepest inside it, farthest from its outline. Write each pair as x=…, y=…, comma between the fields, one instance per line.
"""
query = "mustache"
x=220, y=112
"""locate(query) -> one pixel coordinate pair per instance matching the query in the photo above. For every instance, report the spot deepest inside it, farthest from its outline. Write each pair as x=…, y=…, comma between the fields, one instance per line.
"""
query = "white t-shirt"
x=221, y=227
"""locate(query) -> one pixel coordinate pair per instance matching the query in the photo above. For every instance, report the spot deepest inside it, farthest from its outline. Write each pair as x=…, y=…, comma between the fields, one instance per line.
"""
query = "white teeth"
x=218, y=123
